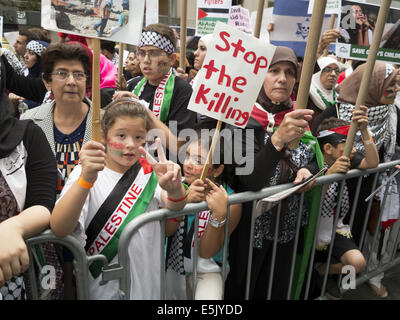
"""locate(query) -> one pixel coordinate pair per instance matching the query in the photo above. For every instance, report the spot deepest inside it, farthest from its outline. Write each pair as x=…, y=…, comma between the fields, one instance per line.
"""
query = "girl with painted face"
x=211, y=233
x=106, y=176
x=167, y=95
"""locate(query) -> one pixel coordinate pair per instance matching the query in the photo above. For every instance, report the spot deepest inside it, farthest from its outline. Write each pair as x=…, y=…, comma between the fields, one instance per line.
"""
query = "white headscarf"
x=317, y=89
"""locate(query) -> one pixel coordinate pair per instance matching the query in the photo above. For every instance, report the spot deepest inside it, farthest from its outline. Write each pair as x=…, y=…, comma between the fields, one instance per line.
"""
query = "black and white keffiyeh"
x=152, y=38
x=37, y=46
x=381, y=125
x=328, y=213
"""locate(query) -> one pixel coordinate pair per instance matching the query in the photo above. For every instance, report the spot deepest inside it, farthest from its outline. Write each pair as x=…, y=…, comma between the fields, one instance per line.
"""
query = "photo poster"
x=357, y=28
x=114, y=20
x=233, y=72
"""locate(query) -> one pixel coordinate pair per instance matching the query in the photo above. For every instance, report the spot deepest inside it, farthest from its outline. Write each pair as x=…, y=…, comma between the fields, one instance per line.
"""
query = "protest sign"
x=292, y=25
x=332, y=7
x=115, y=20
x=239, y=17
x=233, y=72
x=357, y=25
x=209, y=12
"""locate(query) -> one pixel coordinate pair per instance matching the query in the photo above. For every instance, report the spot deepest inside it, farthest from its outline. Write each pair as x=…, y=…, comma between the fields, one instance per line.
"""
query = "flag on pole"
x=292, y=25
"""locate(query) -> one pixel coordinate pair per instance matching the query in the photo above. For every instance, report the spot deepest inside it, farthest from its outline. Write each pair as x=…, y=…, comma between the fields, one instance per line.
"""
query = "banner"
x=357, y=25
x=239, y=17
x=292, y=25
x=209, y=12
x=233, y=72
x=115, y=20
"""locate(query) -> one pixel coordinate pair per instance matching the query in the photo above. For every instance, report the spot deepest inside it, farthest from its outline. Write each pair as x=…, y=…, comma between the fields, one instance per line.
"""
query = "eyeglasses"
x=329, y=70
x=152, y=54
x=62, y=75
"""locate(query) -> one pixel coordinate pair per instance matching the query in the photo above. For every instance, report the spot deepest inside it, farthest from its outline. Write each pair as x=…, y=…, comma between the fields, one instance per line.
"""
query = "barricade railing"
x=121, y=270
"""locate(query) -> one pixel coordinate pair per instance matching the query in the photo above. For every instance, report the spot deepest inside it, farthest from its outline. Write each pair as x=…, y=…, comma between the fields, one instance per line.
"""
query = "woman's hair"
x=65, y=51
x=163, y=30
x=124, y=107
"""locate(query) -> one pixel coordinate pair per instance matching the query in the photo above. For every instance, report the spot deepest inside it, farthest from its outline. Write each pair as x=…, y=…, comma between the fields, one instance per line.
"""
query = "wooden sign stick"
x=96, y=129
x=211, y=151
x=260, y=11
x=331, y=24
x=310, y=57
x=373, y=51
x=120, y=63
x=182, y=60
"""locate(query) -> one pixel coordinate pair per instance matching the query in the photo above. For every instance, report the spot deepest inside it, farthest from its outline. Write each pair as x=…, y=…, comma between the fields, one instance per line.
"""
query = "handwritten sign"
x=239, y=17
x=233, y=72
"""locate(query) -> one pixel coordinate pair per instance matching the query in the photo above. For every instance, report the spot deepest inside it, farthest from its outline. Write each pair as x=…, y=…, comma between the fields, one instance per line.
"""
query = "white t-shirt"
x=144, y=249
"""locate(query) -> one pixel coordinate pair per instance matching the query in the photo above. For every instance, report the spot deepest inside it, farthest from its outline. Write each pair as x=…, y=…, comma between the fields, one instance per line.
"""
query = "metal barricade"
x=121, y=270
x=81, y=262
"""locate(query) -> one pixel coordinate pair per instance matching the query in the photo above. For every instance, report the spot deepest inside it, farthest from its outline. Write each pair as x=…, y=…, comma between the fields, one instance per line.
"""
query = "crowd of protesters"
x=52, y=175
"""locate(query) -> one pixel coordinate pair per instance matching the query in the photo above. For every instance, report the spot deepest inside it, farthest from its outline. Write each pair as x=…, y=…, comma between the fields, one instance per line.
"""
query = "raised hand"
x=197, y=191
x=217, y=200
x=92, y=157
x=168, y=173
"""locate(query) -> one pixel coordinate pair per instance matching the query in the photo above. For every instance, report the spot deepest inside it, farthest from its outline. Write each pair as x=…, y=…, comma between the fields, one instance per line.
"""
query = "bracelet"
x=279, y=149
x=84, y=184
x=182, y=198
x=370, y=141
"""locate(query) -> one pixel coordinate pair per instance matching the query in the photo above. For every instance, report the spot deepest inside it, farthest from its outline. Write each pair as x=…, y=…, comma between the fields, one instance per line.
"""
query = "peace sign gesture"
x=168, y=173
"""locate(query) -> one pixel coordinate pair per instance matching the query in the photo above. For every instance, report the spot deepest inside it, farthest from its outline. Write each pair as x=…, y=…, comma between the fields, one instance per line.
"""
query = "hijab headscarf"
x=382, y=119
x=282, y=54
x=382, y=76
x=37, y=47
x=317, y=91
x=12, y=130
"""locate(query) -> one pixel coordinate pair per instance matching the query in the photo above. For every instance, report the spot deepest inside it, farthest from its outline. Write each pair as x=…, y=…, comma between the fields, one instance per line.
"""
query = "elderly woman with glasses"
x=167, y=94
x=322, y=89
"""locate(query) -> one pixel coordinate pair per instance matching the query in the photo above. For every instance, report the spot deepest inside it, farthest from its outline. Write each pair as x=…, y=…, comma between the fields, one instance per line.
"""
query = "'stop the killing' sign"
x=233, y=72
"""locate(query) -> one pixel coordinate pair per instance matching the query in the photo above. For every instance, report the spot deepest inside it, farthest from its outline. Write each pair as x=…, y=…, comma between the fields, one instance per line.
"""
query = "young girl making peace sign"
x=112, y=185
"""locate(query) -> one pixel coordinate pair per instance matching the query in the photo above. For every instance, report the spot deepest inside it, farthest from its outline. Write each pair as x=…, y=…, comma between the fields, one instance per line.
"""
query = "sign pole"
x=373, y=51
x=310, y=56
x=260, y=11
x=120, y=62
x=331, y=24
x=210, y=153
x=182, y=60
x=96, y=129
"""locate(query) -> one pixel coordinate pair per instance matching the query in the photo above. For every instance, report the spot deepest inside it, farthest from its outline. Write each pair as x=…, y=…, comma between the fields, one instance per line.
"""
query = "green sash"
x=162, y=96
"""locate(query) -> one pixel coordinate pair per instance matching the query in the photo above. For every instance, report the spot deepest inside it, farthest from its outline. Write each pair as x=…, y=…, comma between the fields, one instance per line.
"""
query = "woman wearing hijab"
x=28, y=180
x=322, y=89
x=275, y=123
x=382, y=124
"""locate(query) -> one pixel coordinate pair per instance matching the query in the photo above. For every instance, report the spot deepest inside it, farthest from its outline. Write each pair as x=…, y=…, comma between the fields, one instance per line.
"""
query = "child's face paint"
x=194, y=162
x=123, y=141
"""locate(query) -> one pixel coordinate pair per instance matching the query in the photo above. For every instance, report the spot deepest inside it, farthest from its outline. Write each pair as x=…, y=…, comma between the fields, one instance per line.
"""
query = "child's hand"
x=92, y=157
x=197, y=191
x=168, y=173
x=361, y=117
x=217, y=200
x=341, y=165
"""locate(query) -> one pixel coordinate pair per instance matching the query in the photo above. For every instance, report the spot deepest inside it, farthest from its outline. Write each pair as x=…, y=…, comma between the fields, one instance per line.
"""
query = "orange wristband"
x=370, y=141
x=84, y=184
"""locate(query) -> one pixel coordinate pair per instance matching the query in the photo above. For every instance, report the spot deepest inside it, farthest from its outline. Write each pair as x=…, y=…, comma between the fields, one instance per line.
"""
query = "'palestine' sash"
x=162, y=96
x=129, y=198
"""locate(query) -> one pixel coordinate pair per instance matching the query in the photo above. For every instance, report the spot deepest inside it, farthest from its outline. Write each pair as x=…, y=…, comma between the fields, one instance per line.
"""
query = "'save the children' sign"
x=231, y=77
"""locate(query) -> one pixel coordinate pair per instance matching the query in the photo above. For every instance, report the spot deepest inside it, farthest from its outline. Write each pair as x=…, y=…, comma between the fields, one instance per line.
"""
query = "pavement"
x=391, y=281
